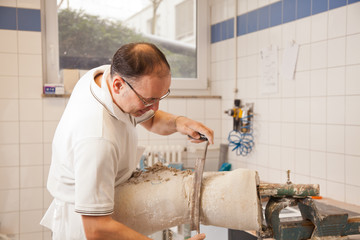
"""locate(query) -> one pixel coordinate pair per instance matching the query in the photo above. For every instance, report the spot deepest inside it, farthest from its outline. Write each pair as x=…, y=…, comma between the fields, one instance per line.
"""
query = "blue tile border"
x=22, y=19
x=222, y=31
x=8, y=18
x=275, y=14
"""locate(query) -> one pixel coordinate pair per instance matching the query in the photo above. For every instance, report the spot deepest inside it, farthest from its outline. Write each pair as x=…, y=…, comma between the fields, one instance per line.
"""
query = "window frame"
x=51, y=71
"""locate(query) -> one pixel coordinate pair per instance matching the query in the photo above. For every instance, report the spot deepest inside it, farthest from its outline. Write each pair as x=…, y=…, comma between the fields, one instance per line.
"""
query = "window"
x=82, y=34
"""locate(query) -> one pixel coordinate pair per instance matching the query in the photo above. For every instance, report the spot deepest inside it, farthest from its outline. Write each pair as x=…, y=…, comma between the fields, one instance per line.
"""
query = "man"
x=95, y=144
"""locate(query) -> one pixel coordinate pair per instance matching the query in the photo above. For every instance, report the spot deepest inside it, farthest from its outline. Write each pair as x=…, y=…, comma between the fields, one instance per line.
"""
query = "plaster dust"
x=160, y=198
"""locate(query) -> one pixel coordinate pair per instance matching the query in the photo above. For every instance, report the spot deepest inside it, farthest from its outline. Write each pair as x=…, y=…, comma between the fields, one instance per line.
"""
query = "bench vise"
x=314, y=224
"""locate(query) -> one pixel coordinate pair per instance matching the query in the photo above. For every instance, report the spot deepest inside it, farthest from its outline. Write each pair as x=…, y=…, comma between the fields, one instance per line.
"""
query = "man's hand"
x=200, y=236
x=192, y=128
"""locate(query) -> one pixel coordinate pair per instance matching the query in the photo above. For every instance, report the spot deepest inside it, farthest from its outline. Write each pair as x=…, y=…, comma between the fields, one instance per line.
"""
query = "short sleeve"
x=95, y=171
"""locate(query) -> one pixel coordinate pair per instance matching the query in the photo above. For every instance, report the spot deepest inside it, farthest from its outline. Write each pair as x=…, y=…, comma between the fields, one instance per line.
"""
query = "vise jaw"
x=314, y=225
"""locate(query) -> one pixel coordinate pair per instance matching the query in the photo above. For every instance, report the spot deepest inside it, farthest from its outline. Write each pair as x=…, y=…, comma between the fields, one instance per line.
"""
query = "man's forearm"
x=104, y=227
x=162, y=123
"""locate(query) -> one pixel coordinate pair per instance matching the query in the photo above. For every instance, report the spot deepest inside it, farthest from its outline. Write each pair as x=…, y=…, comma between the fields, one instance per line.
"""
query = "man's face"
x=137, y=99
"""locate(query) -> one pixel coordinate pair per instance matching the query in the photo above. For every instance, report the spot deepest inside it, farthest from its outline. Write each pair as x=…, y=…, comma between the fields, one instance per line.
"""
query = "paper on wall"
x=269, y=71
x=289, y=61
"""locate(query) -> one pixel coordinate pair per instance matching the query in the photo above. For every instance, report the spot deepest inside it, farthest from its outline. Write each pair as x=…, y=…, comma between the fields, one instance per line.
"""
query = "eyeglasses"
x=147, y=103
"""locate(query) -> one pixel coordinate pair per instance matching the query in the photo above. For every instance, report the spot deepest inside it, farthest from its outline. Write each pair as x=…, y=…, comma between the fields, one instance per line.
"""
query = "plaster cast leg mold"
x=160, y=198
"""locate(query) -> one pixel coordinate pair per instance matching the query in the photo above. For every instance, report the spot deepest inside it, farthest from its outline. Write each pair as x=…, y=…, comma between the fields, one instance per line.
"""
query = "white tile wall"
x=313, y=123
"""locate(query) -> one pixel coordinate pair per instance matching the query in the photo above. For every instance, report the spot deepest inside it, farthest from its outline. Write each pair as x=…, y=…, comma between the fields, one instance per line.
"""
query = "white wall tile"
x=352, y=79
x=252, y=43
x=336, y=110
x=353, y=18
x=352, y=194
x=49, y=131
x=275, y=36
x=31, y=236
x=264, y=38
x=252, y=4
x=352, y=139
x=337, y=21
x=353, y=49
x=9, y=178
x=9, y=200
x=336, y=81
x=195, y=108
x=179, y=105
x=30, y=65
x=29, y=221
x=275, y=157
x=9, y=87
x=274, y=110
x=288, y=88
x=335, y=167
x=31, y=176
x=287, y=159
x=31, y=154
x=9, y=132
x=31, y=199
x=31, y=110
x=318, y=164
x=35, y=4
x=302, y=110
x=275, y=133
x=336, y=52
x=288, y=110
x=9, y=155
x=352, y=113
x=30, y=87
x=29, y=42
x=10, y=222
x=288, y=33
x=212, y=108
x=8, y=41
x=318, y=82
x=336, y=191
x=288, y=134
x=335, y=138
x=302, y=82
x=303, y=30
x=318, y=137
x=31, y=132
x=318, y=110
x=263, y=155
x=242, y=6
x=304, y=57
x=302, y=162
x=318, y=55
x=47, y=153
x=352, y=166
x=302, y=136
x=8, y=3
x=9, y=109
x=53, y=108
x=8, y=64
x=319, y=27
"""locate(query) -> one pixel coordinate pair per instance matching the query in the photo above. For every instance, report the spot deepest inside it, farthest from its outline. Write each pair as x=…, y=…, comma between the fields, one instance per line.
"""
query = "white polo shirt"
x=94, y=149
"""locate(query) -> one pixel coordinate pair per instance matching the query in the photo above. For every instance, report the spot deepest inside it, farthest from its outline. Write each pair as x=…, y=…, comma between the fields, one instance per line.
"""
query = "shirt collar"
x=103, y=95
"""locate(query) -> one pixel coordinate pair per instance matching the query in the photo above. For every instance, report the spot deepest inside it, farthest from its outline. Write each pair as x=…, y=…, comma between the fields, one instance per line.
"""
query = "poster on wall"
x=289, y=60
x=269, y=70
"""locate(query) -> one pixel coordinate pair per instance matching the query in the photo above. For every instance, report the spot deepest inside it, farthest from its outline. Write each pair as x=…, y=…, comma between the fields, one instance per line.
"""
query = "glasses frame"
x=146, y=103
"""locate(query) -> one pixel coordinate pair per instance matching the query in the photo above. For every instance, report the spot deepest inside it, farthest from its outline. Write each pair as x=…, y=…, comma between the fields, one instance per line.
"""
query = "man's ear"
x=117, y=84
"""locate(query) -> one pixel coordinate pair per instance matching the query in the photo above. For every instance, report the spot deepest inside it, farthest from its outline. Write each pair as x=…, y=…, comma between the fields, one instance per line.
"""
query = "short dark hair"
x=139, y=59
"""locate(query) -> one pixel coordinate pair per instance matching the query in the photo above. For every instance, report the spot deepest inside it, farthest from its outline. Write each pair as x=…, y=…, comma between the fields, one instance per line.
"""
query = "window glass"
x=90, y=31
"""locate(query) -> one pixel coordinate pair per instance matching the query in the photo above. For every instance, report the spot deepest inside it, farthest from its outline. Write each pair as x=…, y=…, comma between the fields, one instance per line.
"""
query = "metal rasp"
x=196, y=199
